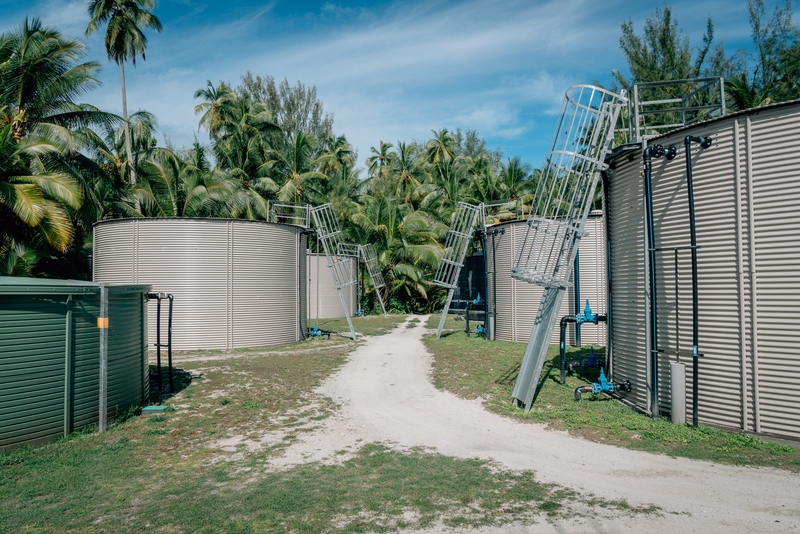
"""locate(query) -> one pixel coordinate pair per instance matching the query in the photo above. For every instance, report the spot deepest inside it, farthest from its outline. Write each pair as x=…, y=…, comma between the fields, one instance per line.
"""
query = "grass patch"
x=203, y=466
x=476, y=368
x=369, y=325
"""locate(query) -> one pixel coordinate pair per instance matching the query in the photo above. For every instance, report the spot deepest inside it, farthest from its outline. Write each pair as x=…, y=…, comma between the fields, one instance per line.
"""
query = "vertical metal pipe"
x=490, y=333
x=609, y=293
x=753, y=280
x=102, y=324
x=693, y=231
x=737, y=180
x=577, y=279
x=158, y=344
x=493, y=316
x=169, y=343
x=677, y=310
x=69, y=336
x=653, y=315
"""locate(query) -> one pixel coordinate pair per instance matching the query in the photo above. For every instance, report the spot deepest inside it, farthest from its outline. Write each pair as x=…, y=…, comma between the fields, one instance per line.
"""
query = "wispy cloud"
x=394, y=70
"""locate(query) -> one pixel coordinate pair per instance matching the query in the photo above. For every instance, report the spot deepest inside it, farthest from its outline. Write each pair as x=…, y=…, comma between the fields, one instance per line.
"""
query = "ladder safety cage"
x=329, y=235
x=583, y=136
x=375, y=274
x=366, y=254
x=289, y=213
x=455, y=250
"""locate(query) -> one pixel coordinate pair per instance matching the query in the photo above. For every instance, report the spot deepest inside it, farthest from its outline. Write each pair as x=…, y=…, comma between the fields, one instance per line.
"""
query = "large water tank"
x=49, y=357
x=235, y=283
x=517, y=302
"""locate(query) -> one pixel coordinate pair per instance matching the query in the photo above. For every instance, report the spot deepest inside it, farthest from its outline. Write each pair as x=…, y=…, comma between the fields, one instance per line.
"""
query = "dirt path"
x=386, y=396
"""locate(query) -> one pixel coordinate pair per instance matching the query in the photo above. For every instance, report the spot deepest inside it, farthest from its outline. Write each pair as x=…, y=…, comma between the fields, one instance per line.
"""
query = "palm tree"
x=203, y=192
x=441, y=149
x=298, y=170
x=515, y=178
x=124, y=40
x=407, y=170
x=337, y=154
x=34, y=201
x=217, y=107
x=406, y=244
x=40, y=77
x=379, y=160
x=742, y=94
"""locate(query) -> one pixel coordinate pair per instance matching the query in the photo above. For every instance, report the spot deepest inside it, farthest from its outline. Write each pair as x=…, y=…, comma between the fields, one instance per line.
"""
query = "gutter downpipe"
x=705, y=142
x=647, y=154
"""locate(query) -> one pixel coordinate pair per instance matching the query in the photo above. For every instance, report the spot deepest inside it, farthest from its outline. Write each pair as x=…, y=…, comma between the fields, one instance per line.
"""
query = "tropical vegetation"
x=65, y=164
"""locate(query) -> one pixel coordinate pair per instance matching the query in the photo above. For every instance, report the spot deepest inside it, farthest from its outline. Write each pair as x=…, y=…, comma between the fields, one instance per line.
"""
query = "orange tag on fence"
x=102, y=322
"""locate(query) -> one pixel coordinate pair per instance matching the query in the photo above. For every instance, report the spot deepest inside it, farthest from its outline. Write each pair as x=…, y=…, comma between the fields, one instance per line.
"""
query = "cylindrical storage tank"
x=235, y=283
x=517, y=302
x=320, y=282
x=745, y=196
x=49, y=357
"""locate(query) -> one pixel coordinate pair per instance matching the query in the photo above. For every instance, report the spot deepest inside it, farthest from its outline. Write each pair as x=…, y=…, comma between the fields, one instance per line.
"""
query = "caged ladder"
x=455, y=250
x=582, y=138
x=339, y=262
x=366, y=254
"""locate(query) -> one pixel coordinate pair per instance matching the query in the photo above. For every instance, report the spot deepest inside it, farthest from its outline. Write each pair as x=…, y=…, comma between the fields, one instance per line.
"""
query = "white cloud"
x=394, y=71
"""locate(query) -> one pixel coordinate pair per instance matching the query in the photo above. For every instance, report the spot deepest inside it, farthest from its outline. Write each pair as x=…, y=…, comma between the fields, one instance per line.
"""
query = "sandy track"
x=386, y=396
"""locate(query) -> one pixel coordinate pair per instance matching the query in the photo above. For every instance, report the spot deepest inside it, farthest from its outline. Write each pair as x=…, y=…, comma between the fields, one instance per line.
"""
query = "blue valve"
x=587, y=316
x=479, y=329
x=477, y=300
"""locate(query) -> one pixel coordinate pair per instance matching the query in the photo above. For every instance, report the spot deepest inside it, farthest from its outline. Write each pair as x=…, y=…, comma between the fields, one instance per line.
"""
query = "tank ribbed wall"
x=518, y=302
x=235, y=283
x=746, y=197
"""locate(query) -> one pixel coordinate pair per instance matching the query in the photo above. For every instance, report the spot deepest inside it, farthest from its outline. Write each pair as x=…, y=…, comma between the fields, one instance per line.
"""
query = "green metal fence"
x=50, y=357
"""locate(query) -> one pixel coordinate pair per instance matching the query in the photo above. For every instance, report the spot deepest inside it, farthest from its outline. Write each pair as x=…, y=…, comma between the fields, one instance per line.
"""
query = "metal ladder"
x=455, y=250
x=582, y=138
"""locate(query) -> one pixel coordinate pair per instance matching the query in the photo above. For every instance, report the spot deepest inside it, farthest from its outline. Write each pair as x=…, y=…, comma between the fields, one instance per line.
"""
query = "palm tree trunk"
x=128, y=132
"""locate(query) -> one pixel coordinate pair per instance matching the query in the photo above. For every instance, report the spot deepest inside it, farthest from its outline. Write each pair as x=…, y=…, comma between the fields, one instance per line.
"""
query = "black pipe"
x=577, y=279
x=562, y=345
x=158, y=343
x=705, y=142
x=609, y=285
x=169, y=343
x=466, y=316
x=648, y=153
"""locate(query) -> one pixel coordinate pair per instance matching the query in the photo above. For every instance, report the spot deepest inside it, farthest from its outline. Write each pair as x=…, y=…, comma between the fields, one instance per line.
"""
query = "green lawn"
x=203, y=466
x=473, y=367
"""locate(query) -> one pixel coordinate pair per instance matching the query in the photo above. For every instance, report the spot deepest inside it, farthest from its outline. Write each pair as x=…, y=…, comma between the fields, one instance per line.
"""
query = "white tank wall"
x=518, y=301
x=235, y=283
x=746, y=196
x=329, y=304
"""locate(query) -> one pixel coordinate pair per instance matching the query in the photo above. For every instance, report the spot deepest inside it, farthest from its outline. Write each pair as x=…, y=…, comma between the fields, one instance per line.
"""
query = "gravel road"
x=386, y=396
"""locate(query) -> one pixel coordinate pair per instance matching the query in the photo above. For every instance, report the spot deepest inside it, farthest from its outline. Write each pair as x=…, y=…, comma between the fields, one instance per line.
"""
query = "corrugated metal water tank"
x=50, y=354
x=329, y=304
x=746, y=196
x=518, y=301
x=236, y=283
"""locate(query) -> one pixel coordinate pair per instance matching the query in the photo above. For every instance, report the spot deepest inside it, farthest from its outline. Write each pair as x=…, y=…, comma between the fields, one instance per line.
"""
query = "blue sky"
x=386, y=70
